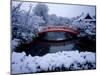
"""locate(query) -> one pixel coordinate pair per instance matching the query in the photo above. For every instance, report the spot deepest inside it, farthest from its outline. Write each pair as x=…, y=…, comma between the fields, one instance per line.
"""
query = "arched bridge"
x=58, y=29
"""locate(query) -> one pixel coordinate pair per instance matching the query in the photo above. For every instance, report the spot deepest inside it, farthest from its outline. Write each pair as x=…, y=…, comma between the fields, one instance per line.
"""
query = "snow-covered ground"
x=70, y=60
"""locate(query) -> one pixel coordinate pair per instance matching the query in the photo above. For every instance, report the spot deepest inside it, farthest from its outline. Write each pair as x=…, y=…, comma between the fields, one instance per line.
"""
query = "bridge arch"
x=58, y=29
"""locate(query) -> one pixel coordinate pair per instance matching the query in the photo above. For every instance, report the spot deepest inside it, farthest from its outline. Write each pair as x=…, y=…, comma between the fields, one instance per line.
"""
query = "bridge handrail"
x=58, y=27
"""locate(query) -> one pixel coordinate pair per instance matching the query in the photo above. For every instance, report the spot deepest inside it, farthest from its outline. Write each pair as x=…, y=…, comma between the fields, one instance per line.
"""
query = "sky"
x=63, y=10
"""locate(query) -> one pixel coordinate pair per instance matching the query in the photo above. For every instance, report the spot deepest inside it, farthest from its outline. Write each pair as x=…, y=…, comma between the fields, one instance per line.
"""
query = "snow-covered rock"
x=70, y=60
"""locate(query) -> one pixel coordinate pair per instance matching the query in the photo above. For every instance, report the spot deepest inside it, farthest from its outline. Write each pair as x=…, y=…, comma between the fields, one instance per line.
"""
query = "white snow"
x=60, y=39
x=26, y=64
x=15, y=43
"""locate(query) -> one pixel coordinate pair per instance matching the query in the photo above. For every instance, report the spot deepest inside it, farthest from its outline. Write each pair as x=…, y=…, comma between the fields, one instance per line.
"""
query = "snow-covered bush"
x=66, y=60
x=85, y=28
x=27, y=37
x=90, y=29
x=14, y=44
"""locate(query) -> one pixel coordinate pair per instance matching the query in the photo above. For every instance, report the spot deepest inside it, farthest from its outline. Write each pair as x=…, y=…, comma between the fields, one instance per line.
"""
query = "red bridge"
x=58, y=29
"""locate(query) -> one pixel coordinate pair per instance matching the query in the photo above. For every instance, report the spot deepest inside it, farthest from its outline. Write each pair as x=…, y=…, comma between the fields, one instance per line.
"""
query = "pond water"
x=54, y=42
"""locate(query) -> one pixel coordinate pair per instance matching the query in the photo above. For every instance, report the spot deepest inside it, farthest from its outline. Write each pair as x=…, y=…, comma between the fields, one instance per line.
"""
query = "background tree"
x=42, y=11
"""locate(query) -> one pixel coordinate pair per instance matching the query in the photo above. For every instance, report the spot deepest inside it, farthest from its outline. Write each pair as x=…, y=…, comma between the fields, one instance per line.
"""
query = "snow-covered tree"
x=53, y=20
x=42, y=11
x=15, y=13
x=77, y=17
x=64, y=21
x=24, y=24
x=57, y=20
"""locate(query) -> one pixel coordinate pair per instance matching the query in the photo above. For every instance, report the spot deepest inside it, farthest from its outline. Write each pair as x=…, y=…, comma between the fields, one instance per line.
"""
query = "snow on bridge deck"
x=45, y=29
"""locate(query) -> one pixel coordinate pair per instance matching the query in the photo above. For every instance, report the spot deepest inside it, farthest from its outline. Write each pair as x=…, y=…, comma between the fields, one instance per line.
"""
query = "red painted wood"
x=58, y=29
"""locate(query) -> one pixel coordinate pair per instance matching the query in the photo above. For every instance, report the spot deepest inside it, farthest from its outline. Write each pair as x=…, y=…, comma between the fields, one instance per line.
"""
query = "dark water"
x=44, y=44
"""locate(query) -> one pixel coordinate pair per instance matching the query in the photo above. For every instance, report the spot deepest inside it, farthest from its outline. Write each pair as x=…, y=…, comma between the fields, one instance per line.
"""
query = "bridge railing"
x=42, y=28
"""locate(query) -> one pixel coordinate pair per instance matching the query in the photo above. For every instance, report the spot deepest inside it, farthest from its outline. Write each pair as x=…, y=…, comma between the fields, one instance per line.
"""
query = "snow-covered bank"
x=70, y=60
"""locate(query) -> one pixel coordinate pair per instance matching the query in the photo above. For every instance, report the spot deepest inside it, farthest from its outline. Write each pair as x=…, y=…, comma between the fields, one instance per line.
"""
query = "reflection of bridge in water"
x=46, y=29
